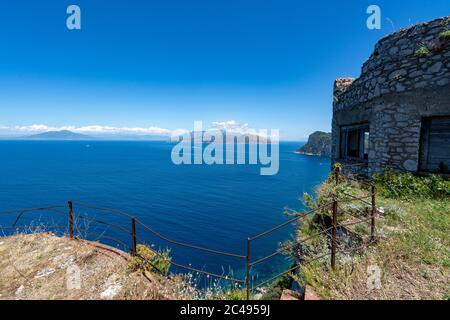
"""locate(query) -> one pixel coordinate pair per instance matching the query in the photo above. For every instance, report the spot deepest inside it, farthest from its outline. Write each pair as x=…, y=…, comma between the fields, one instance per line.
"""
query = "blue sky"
x=270, y=64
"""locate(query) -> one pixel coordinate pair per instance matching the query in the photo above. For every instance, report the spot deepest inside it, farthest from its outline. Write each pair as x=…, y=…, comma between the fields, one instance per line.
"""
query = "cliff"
x=319, y=144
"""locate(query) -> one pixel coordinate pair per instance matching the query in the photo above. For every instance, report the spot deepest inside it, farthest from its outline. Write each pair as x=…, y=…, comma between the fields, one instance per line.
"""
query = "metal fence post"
x=374, y=212
x=133, y=236
x=70, y=219
x=336, y=174
x=333, y=235
x=248, y=268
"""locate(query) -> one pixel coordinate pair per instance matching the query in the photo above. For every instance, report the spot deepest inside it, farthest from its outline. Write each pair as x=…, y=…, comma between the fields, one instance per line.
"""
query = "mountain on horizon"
x=247, y=137
x=69, y=135
x=133, y=137
x=57, y=135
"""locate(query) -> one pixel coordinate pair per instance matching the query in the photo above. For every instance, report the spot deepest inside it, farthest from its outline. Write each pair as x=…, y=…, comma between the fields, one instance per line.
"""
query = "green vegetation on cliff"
x=411, y=252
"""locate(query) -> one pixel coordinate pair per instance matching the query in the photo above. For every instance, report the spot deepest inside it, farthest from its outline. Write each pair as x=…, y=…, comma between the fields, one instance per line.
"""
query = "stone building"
x=397, y=113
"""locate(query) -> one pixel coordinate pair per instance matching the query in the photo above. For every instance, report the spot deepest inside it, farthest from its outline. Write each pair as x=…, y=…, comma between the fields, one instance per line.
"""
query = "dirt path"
x=43, y=266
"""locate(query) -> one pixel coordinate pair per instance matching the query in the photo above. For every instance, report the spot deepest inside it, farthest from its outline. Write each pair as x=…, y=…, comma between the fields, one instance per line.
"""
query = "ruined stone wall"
x=406, y=78
x=395, y=127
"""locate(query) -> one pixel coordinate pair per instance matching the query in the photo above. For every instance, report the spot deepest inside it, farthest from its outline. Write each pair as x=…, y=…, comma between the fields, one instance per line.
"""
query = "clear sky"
x=267, y=63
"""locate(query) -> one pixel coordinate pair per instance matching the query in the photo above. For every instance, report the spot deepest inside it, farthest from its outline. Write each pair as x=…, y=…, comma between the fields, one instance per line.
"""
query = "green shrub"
x=422, y=52
x=394, y=214
x=275, y=289
x=235, y=294
x=150, y=260
x=445, y=35
x=407, y=186
x=361, y=229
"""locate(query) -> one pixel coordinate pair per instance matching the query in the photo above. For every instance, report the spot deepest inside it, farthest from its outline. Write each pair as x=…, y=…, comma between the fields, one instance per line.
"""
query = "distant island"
x=319, y=144
x=238, y=138
x=57, y=135
x=66, y=135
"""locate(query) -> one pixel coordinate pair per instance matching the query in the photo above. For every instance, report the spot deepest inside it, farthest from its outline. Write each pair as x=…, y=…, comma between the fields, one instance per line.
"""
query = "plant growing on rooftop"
x=445, y=34
x=422, y=52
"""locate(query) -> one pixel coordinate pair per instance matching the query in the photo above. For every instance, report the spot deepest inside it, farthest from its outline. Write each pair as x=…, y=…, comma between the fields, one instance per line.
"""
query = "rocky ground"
x=43, y=266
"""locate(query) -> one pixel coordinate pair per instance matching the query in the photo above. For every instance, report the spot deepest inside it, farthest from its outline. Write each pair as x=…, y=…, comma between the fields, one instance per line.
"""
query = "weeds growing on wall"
x=422, y=52
x=445, y=34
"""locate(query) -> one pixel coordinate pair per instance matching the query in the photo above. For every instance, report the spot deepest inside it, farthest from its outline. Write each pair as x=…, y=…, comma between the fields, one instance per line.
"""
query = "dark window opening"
x=435, y=145
x=354, y=142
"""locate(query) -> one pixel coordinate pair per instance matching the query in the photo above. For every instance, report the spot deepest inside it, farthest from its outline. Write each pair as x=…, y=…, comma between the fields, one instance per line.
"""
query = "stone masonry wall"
x=406, y=78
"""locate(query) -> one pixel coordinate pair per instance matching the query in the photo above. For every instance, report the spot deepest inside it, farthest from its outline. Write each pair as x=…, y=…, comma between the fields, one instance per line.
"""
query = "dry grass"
x=35, y=266
x=412, y=254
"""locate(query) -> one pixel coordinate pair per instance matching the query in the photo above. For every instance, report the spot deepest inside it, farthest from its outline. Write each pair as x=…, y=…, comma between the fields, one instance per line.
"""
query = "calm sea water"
x=213, y=206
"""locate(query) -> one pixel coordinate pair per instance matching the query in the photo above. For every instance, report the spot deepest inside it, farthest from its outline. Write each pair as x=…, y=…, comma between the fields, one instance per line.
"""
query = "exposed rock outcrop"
x=319, y=144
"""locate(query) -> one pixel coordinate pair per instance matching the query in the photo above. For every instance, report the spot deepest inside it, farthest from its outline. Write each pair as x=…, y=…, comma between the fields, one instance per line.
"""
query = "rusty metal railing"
x=333, y=207
x=74, y=230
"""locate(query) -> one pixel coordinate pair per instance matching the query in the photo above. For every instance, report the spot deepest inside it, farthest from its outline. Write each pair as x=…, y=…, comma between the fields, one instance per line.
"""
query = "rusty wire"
x=31, y=209
x=351, y=223
x=157, y=234
x=281, y=225
x=104, y=223
x=362, y=199
x=290, y=270
x=282, y=250
x=101, y=235
x=189, y=245
x=188, y=267
x=81, y=204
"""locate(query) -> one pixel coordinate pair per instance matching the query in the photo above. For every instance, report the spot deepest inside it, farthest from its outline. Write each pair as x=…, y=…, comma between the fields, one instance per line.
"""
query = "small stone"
x=381, y=80
x=110, y=292
x=397, y=74
x=377, y=91
x=420, y=85
x=399, y=87
x=19, y=290
x=393, y=51
x=410, y=165
x=435, y=67
x=44, y=273
x=406, y=52
x=443, y=82
x=402, y=42
x=416, y=74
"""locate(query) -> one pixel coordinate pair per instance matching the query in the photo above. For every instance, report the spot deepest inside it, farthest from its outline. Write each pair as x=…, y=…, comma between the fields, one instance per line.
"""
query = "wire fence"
x=80, y=226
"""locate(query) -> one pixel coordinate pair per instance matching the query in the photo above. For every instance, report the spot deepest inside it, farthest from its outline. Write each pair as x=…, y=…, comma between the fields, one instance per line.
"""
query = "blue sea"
x=217, y=206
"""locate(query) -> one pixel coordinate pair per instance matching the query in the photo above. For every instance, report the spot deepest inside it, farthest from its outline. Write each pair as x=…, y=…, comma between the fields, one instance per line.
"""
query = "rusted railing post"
x=70, y=219
x=133, y=236
x=337, y=172
x=248, y=268
x=374, y=213
x=333, y=235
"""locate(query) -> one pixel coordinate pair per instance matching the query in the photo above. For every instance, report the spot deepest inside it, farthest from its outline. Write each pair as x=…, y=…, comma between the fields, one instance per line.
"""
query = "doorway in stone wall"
x=435, y=145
